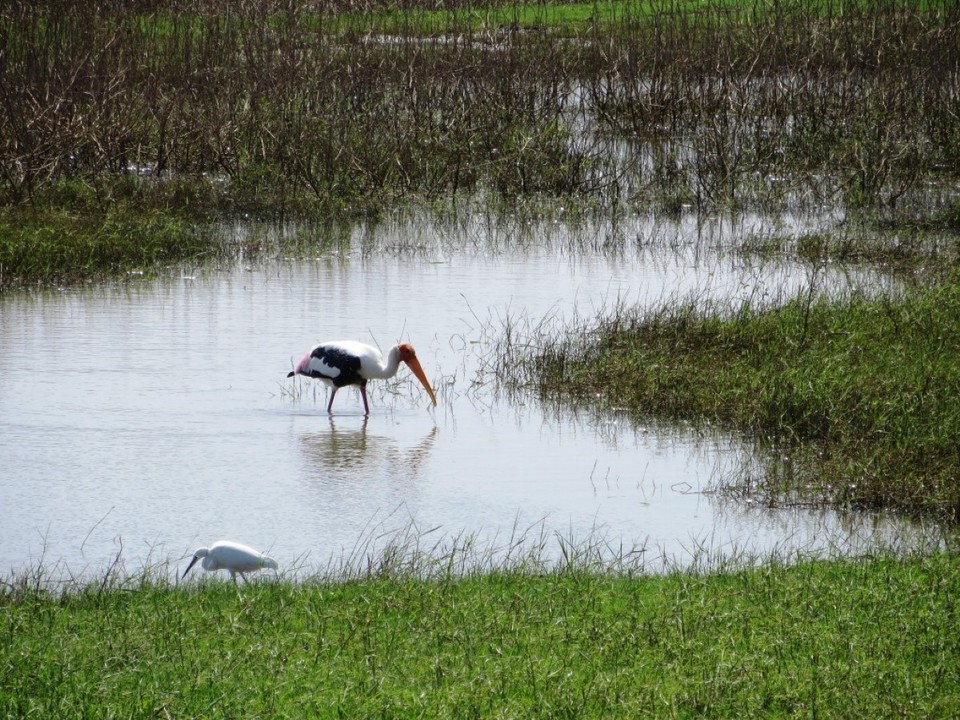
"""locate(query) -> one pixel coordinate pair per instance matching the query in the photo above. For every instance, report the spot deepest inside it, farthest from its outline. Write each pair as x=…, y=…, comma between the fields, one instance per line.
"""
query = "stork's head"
x=409, y=356
x=301, y=367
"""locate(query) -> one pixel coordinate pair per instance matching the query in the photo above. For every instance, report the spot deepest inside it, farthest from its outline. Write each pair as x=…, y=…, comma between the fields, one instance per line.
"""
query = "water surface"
x=144, y=419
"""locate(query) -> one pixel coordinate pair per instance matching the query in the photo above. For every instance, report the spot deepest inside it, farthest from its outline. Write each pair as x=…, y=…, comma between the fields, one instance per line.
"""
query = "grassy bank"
x=828, y=639
x=862, y=396
x=60, y=247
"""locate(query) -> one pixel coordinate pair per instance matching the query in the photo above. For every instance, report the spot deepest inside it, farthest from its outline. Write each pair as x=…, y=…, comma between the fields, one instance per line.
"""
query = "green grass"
x=828, y=639
x=565, y=18
x=61, y=247
x=571, y=18
x=862, y=396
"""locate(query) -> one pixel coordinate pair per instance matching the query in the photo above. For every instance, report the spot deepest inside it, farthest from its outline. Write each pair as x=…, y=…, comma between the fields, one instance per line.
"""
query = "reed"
x=289, y=111
x=281, y=110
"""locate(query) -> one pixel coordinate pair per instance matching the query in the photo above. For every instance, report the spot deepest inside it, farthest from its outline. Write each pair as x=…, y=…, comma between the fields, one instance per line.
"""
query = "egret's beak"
x=414, y=365
x=195, y=558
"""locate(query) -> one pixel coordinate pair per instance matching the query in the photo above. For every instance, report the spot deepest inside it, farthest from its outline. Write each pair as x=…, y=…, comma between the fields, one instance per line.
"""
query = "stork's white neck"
x=388, y=369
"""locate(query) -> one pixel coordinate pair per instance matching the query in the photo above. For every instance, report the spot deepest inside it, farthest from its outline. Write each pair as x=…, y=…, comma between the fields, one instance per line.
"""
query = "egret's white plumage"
x=232, y=556
x=347, y=362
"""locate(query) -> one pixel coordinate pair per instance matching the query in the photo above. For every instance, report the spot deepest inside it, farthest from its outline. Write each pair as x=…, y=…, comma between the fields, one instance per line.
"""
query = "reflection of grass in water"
x=401, y=632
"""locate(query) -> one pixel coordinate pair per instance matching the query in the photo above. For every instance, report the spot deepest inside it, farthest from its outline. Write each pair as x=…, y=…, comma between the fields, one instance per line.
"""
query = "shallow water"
x=144, y=419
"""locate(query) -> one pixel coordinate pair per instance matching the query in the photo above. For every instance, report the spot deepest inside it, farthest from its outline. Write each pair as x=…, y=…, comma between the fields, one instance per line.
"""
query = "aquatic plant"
x=859, y=397
x=279, y=109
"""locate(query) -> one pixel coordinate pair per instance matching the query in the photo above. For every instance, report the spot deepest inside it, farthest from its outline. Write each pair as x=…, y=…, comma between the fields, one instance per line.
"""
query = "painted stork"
x=346, y=362
x=232, y=556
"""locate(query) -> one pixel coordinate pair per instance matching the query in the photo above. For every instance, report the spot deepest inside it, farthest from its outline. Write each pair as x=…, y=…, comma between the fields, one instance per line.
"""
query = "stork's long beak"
x=414, y=365
x=195, y=558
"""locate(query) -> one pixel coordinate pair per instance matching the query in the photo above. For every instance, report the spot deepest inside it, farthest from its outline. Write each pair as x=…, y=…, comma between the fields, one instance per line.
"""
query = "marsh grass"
x=865, y=637
x=61, y=247
x=276, y=110
x=859, y=396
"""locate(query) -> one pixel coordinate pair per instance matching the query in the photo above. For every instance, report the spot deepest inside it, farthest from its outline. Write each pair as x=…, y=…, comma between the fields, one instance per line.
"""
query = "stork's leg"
x=333, y=393
x=363, y=394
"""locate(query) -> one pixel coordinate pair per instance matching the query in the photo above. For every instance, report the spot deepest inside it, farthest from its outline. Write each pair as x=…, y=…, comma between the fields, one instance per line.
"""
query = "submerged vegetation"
x=286, y=110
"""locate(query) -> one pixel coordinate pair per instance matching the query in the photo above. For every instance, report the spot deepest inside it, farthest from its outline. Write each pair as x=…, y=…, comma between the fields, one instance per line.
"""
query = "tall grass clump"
x=60, y=247
x=861, y=396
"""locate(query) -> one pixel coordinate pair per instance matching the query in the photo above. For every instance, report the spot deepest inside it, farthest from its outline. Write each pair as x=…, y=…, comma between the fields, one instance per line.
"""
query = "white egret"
x=232, y=556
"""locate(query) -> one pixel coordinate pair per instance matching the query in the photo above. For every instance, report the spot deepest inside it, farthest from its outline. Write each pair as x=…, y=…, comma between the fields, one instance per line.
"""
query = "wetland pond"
x=143, y=419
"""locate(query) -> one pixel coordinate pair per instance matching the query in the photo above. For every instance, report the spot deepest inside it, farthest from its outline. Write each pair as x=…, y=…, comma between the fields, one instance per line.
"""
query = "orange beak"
x=414, y=365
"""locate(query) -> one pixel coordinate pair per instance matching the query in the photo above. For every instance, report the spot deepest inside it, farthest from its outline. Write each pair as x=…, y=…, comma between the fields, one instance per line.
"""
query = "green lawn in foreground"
x=845, y=639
